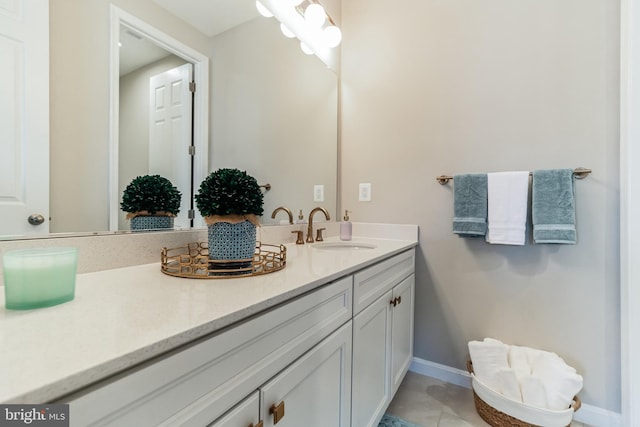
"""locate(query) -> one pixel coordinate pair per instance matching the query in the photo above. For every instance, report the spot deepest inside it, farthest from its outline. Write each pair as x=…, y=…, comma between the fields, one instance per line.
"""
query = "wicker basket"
x=498, y=418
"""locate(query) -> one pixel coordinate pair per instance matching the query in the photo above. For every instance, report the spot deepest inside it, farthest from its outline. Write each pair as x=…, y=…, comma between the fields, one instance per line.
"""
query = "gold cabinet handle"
x=260, y=424
x=393, y=302
x=399, y=300
x=277, y=411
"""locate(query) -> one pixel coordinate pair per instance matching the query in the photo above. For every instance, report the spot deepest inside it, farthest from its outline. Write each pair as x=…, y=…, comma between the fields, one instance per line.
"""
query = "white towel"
x=560, y=380
x=519, y=360
x=507, y=207
x=488, y=358
x=509, y=385
x=533, y=392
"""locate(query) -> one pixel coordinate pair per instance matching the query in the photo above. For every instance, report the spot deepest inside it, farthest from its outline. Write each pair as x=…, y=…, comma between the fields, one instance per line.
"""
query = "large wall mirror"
x=271, y=109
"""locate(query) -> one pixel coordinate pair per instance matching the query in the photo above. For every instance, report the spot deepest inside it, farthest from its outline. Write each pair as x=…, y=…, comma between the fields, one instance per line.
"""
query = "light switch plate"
x=364, y=192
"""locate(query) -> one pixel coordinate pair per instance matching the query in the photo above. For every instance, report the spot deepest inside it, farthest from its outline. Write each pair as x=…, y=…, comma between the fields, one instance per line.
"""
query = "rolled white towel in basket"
x=519, y=360
x=509, y=385
x=533, y=391
x=488, y=357
x=560, y=380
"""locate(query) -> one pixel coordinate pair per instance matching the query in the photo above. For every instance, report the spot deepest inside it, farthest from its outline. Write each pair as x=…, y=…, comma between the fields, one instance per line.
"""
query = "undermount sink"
x=332, y=246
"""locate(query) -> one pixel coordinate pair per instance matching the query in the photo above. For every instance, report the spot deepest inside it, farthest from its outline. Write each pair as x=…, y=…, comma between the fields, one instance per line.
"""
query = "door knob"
x=35, y=219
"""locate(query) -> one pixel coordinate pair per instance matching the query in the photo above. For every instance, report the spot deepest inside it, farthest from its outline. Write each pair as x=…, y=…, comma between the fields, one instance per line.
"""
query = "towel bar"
x=579, y=173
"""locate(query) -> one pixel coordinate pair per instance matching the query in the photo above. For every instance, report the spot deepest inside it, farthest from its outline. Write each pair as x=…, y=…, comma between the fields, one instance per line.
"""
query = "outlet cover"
x=364, y=192
x=318, y=193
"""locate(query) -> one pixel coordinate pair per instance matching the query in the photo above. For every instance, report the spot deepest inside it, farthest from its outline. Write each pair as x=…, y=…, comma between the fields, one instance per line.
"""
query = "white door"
x=170, y=132
x=315, y=391
x=24, y=116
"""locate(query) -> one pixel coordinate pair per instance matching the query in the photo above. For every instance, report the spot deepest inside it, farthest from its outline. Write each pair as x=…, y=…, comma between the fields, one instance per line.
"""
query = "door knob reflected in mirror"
x=35, y=219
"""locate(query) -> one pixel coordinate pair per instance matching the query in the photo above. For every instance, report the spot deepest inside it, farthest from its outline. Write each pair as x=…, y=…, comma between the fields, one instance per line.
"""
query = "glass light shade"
x=315, y=15
x=332, y=35
x=287, y=32
x=263, y=10
x=306, y=49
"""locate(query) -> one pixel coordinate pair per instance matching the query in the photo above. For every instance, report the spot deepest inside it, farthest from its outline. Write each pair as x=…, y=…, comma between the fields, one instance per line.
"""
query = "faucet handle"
x=300, y=238
x=319, y=234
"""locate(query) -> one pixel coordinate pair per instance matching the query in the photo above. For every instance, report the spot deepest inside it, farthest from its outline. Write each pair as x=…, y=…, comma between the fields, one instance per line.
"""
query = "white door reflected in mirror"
x=170, y=133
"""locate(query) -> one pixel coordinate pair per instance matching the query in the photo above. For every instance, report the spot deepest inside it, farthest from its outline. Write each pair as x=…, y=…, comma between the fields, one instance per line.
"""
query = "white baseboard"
x=588, y=414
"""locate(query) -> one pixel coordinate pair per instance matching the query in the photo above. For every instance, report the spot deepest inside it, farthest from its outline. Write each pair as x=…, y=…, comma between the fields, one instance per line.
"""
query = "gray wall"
x=443, y=87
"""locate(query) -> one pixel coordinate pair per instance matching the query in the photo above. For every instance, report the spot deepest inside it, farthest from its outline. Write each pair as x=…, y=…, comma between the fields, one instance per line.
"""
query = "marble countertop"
x=125, y=316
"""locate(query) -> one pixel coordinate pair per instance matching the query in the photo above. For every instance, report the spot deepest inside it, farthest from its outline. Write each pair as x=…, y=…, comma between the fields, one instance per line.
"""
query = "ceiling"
x=210, y=17
x=137, y=51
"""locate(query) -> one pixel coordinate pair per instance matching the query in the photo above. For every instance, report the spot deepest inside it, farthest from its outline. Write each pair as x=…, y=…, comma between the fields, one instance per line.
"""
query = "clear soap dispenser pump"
x=345, y=227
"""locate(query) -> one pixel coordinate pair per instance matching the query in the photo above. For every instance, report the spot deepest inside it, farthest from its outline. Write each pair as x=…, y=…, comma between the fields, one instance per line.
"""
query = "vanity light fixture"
x=308, y=21
x=263, y=10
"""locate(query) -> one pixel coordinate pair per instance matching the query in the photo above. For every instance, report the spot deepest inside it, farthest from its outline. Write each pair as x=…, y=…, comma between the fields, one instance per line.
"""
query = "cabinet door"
x=245, y=414
x=315, y=391
x=402, y=331
x=371, y=361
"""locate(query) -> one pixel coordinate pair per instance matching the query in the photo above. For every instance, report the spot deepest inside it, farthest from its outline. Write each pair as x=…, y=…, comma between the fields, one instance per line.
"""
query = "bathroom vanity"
x=324, y=342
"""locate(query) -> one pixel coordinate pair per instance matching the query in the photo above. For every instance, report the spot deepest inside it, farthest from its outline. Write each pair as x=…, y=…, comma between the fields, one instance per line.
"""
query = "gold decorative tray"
x=192, y=261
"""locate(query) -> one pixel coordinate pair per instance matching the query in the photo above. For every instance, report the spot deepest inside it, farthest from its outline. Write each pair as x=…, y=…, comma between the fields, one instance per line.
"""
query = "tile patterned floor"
x=429, y=402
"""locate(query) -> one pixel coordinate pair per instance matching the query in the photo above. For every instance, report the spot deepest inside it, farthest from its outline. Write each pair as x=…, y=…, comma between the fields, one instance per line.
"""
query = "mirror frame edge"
x=200, y=62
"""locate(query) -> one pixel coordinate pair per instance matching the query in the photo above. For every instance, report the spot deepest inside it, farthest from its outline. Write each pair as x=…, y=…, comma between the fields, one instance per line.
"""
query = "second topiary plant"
x=231, y=201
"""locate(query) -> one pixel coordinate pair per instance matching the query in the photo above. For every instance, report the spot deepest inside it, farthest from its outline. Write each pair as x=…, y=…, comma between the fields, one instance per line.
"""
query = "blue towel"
x=553, y=206
x=470, y=205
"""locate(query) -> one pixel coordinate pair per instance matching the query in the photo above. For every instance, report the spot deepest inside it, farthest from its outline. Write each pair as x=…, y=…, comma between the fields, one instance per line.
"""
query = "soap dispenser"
x=300, y=219
x=345, y=227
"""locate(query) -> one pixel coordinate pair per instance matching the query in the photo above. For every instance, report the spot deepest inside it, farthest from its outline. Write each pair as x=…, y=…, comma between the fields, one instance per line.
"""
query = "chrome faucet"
x=282, y=208
x=310, y=228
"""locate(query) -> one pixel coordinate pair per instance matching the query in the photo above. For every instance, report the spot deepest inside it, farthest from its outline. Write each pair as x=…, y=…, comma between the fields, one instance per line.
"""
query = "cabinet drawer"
x=201, y=382
x=315, y=391
x=370, y=283
x=246, y=413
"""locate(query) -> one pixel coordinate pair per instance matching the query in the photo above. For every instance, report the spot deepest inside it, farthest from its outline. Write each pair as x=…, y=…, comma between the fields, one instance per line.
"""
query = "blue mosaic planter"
x=232, y=242
x=151, y=223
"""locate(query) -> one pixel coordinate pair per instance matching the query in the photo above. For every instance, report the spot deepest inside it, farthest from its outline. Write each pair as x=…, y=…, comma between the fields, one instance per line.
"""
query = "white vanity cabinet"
x=331, y=357
x=198, y=384
x=382, y=335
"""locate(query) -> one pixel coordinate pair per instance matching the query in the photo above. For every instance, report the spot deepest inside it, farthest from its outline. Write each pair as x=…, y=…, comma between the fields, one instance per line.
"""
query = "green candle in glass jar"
x=39, y=277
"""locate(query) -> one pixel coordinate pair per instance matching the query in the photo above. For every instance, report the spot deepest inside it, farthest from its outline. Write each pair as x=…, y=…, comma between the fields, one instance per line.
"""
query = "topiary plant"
x=229, y=192
x=151, y=194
